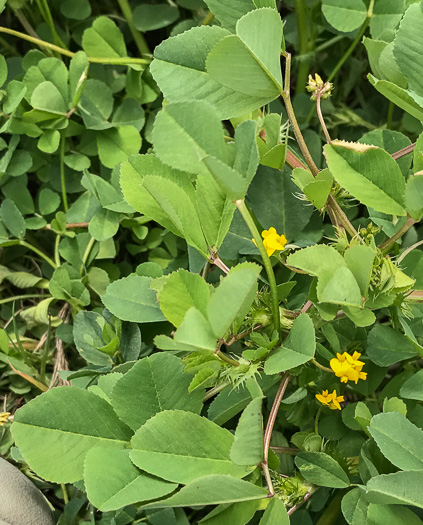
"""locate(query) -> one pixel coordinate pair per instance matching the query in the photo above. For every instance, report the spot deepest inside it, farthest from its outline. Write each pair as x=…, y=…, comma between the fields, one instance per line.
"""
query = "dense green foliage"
x=212, y=311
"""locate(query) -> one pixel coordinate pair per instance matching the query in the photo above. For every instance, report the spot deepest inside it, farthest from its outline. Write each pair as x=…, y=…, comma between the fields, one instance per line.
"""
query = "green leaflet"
x=247, y=63
x=204, y=75
x=399, y=96
x=121, y=482
x=103, y=39
x=161, y=383
x=210, y=490
x=181, y=291
x=131, y=299
x=182, y=142
x=247, y=448
x=232, y=299
x=408, y=41
x=275, y=513
x=322, y=469
x=54, y=434
x=371, y=176
x=181, y=446
x=398, y=439
x=296, y=350
x=345, y=16
x=230, y=12
x=398, y=488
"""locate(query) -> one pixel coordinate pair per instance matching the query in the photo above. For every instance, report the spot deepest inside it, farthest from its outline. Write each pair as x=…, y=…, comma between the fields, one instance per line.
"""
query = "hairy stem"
x=240, y=204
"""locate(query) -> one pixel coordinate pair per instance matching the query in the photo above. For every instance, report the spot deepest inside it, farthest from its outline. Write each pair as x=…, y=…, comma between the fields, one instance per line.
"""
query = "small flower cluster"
x=272, y=241
x=331, y=400
x=4, y=416
x=347, y=367
x=316, y=85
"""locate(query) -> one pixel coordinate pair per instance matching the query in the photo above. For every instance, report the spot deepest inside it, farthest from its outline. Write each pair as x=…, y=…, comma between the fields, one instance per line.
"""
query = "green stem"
x=62, y=51
x=354, y=43
x=316, y=421
x=240, y=204
x=325, y=368
x=387, y=245
x=303, y=68
x=22, y=297
x=207, y=19
x=56, y=251
x=65, y=493
x=138, y=37
x=215, y=390
x=62, y=170
x=46, y=13
x=87, y=253
x=38, y=252
x=227, y=359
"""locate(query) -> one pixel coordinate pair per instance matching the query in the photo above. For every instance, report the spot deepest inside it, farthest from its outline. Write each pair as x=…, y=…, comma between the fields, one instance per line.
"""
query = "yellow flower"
x=331, y=400
x=272, y=241
x=348, y=367
x=4, y=416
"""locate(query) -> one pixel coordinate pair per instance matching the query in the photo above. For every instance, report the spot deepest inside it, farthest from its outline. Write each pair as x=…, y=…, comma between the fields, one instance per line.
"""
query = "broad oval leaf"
x=399, y=440
x=132, y=299
x=154, y=384
x=121, y=482
x=212, y=490
x=55, y=431
x=370, y=174
x=182, y=446
x=322, y=469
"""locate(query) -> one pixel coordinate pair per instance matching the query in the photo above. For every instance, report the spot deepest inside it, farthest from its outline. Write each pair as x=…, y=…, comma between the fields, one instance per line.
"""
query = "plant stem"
x=46, y=14
x=62, y=170
x=387, y=245
x=71, y=225
x=404, y=151
x=207, y=19
x=293, y=119
x=87, y=253
x=325, y=368
x=306, y=498
x=215, y=390
x=62, y=51
x=303, y=68
x=408, y=250
x=286, y=450
x=65, y=493
x=354, y=43
x=269, y=429
x=137, y=35
x=22, y=297
x=38, y=252
x=227, y=359
x=240, y=204
x=316, y=421
x=56, y=251
x=335, y=211
x=322, y=120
